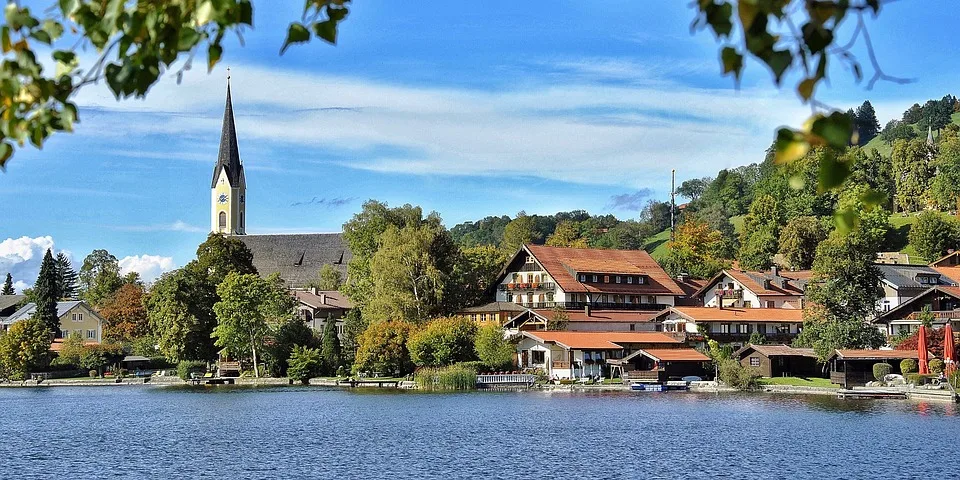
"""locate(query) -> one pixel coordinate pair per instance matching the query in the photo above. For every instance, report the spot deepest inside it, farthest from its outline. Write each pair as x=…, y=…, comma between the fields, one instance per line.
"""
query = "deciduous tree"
x=912, y=171
x=180, y=313
x=492, y=347
x=125, y=315
x=443, y=341
x=693, y=250
x=328, y=278
x=519, y=232
x=99, y=277
x=24, y=346
x=383, y=348
x=305, y=363
x=242, y=313
x=933, y=234
x=409, y=276
x=799, y=240
x=567, y=235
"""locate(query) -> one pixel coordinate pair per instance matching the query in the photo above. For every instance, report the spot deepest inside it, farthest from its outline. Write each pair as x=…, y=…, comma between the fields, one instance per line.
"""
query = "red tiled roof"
x=953, y=273
x=556, y=261
x=602, y=340
x=875, y=354
x=714, y=314
x=57, y=344
x=677, y=354
x=603, y=316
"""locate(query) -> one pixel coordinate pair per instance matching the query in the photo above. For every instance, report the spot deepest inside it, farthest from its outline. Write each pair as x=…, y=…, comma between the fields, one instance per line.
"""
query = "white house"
x=733, y=325
x=753, y=289
x=567, y=355
x=901, y=283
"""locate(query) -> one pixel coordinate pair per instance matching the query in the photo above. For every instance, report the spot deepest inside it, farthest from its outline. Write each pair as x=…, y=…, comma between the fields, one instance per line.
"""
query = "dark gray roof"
x=229, y=158
x=905, y=276
x=495, y=307
x=9, y=301
x=27, y=310
x=298, y=257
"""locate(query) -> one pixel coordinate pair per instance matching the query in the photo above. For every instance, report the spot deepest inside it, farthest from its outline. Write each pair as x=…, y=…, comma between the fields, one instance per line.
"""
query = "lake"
x=308, y=432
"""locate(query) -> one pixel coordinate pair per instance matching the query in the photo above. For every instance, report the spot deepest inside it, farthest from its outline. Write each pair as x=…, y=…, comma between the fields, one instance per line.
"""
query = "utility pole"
x=673, y=206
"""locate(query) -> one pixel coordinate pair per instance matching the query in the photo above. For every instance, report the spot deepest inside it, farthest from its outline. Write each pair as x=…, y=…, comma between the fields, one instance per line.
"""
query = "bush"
x=735, y=375
x=907, y=366
x=186, y=367
x=453, y=377
x=443, y=341
x=477, y=366
x=881, y=370
x=303, y=364
x=936, y=366
x=93, y=373
x=383, y=348
x=917, y=379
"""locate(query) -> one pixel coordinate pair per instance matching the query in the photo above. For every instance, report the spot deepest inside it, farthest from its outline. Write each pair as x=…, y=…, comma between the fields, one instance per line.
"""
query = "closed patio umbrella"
x=922, y=350
x=949, y=353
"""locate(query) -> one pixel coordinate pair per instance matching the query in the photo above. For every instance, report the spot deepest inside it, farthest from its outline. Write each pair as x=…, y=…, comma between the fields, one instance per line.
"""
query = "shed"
x=855, y=367
x=661, y=364
x=779, y=361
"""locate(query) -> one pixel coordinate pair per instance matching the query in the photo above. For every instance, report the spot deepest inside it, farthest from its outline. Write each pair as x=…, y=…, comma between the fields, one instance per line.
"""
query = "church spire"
x=229, y=157
x=929, y=134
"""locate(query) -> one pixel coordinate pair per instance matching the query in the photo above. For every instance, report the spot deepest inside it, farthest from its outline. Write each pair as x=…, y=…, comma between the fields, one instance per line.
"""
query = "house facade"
x=317, y=307
x=76, y=316
x=901, y=283
x=568, y=355
x=753, y=289
x=732, y=325
x=942, y=301
x=541, y=277
x=585, y=320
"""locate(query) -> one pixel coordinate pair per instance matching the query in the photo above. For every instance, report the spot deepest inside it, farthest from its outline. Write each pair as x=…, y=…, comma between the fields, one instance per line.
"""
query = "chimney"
x=775, y=270
x=683, y=277
x=313, y=290
x=586, y=310
x=323, y=299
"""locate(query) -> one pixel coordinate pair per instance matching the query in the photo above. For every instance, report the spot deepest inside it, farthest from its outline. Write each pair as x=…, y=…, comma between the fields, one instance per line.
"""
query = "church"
x=297, y=257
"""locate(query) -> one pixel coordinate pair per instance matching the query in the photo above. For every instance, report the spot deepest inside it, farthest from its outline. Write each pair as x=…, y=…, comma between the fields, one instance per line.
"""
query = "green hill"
x=656, y=245
x=885, y=148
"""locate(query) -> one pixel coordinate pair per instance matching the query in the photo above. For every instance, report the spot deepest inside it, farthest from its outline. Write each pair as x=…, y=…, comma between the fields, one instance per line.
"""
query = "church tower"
x=229, y=187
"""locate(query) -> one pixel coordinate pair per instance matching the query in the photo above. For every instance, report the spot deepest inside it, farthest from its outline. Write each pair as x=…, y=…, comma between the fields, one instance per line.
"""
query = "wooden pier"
x=212, y=381
x=868, y=394
x=506, y=379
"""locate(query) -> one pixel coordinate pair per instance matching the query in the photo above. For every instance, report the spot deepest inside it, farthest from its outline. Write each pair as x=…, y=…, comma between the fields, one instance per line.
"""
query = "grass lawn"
x=656, y=245
x=798, y=382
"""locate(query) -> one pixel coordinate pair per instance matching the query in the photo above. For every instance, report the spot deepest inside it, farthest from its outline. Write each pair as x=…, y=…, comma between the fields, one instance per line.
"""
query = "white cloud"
x=21, y=258
x=148, y=266
x=577, y=129
x=177, y=226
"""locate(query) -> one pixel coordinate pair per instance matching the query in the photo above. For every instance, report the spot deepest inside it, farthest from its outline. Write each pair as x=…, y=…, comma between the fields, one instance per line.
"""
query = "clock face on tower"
x=222, y=198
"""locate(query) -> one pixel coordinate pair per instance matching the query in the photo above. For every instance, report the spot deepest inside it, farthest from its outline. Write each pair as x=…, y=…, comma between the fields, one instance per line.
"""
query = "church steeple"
x=228, y=186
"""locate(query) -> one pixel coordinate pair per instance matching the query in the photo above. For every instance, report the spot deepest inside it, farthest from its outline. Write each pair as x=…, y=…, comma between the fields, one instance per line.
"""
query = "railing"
x=642, y=375
x=941, y=314
x=558, y=364
x=506, y=379
x=730, y=293
x=651, y=307
x=531, y=267
x=508, y=287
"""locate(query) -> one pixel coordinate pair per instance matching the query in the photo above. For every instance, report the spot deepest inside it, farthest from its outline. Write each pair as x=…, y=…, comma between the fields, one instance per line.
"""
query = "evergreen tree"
x=47, y=294
x=866, y=122
x=7, y=286
x=66, y=277
x=330, y=347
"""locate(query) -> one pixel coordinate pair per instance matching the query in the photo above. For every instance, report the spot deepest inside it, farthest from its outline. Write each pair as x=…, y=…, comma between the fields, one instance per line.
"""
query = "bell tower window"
x=223, y=220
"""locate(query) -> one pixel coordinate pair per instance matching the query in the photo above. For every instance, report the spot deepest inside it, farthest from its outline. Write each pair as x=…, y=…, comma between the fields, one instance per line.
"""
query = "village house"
x=943, y=302
x=849, y=368
x=779, y=361
x=568, y=355
x=732, y=325
x=316, y=307
x=900, y=283
x=775, y=288
x=951, y=259
x=541, y=277
x=76, y=316
x=9, y=305
x=658, y=365
x=500, y=313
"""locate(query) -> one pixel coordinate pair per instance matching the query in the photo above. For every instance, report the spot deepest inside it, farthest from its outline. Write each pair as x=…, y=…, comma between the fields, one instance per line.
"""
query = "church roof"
x=298, y=257
x=229, y=158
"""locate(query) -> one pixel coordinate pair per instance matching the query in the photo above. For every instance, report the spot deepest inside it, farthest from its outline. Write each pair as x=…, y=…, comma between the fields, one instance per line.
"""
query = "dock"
x=506, y=380
x=870, y=394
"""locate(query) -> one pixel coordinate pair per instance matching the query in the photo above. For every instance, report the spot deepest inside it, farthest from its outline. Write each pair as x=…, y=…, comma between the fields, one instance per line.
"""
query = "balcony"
x=941, y=315
x=650, y=307
x=558, y=364
x=526, y=287
x=733, y=293
x=531, y=267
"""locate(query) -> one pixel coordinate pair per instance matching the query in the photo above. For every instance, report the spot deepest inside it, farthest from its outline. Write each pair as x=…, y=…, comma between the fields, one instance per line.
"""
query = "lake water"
x=232, y=433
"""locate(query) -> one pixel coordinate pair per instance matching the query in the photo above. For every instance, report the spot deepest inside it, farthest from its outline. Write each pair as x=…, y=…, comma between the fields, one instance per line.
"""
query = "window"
x=606, y=279
x=633, y=327
x=744, y=328
x=241, y=219
x=509, y=297
x=595, y=279
x=529, y=259
x=549, y=296
x=618, y=278
x=223, y=220
x=651, y=299
x=724, y=328
x=783, y=328
x=747, y=304
x=340, y=329
x=92, y=334
x=762, y=328
x=77, y=317
x=537, y=356
x=771, y=304
x=641, y=280
x=754, y=361
x=583, y=278
x=629, y=279
x=65, y=333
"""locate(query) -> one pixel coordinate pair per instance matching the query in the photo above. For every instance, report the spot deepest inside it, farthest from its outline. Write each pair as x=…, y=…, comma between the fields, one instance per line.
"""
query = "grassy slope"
x=657, y=245
x=885, y=149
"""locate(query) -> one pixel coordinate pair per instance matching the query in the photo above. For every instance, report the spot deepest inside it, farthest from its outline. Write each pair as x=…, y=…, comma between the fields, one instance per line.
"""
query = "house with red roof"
x=541, y=277
x=943, y=301
x=732, y=325
x=569, y=355
x=736, y=288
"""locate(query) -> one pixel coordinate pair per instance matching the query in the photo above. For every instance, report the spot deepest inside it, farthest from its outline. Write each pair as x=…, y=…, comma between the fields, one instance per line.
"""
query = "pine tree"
x=66, y=277
x=330, y=347
x=7, y=286
x=47, y=294
x=865, y=120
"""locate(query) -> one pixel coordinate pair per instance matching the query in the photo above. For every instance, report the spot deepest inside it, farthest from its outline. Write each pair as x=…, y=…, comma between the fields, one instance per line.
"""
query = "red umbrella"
x=922, y=350
x=949, y=355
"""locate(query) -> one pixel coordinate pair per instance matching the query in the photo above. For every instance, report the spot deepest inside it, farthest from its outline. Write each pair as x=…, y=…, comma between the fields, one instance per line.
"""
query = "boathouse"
x=567, y=355
x=779, y=361
x=850, y=368
x=660, y=364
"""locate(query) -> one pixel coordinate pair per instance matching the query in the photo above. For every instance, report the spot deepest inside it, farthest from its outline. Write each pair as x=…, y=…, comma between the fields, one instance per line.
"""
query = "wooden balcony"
x=942, y=315
x=642, y=375
x=558, y=364
x=650, y=307
x=538, y=286
x=731, y=293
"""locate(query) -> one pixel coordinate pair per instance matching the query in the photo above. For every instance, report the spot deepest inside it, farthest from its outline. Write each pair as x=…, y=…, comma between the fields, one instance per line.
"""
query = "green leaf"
x=213, y=56
x=835, y=129
x=832, y=173
x=779, y=61
x=796, y=182
x=805, y=88
x=732, y=62
x=718, y=17
x=748, y=11
x=188, y=38
x=5, y=39
x=816, y=37
x=846, y=220
x=327, y=30
x=295, y=34
x=6, y=151
x=873, y=197
x=204, y=12
x=789, y=146
x=69, y=6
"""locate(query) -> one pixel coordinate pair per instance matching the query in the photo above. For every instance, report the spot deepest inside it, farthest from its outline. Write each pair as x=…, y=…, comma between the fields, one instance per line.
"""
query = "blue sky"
x=466, y=108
